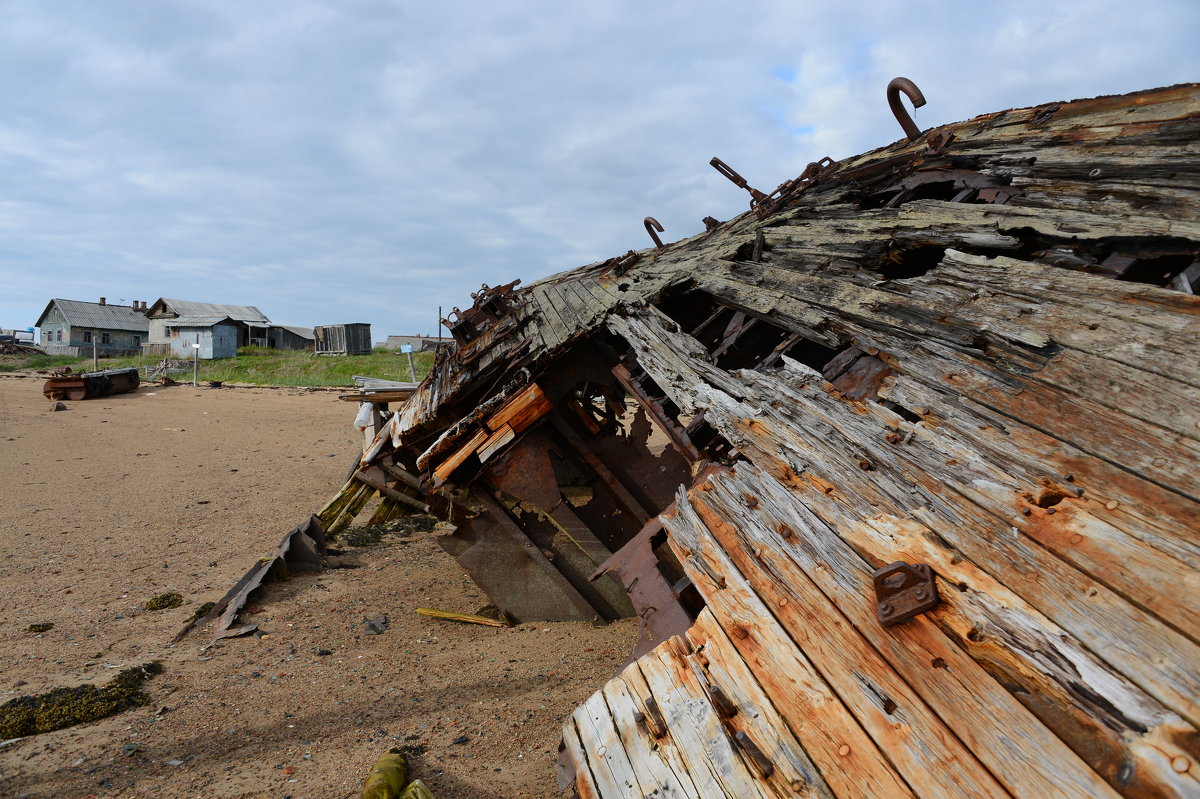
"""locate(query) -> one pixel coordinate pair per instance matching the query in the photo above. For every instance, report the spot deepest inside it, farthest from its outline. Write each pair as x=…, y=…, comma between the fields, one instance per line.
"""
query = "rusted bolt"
x=865, y=465
x=1026, y=511
x=1070, y=478
x=725, y=707
x=905, y=85
x=1051, y=511
x=921, y=593
x=652, y=225
x=764, y=766
x=885, y=609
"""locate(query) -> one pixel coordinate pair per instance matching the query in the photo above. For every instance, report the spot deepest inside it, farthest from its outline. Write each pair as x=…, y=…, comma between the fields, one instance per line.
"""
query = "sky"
x=334, y=161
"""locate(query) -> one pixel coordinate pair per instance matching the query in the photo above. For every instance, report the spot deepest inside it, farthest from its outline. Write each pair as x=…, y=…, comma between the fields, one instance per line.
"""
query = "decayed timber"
x=981, y=357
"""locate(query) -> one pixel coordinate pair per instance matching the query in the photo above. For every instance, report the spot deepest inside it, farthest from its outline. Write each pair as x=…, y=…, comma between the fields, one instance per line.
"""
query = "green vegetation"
x=13, y=363
x=203, y=610
x=259, y=366
x=41, y=628
x=164, y=601
x=66, y=707
x=373, y=534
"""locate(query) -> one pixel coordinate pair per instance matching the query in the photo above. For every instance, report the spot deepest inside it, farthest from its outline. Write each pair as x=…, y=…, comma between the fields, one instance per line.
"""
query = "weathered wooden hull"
x=90, y=385
x=979, y=356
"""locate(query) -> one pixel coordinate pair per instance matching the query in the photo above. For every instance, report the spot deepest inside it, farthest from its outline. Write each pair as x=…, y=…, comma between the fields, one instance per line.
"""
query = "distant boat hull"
x=90, y=385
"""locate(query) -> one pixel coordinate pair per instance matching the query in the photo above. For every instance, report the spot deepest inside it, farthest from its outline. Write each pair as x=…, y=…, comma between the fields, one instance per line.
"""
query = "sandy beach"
x=119, y=499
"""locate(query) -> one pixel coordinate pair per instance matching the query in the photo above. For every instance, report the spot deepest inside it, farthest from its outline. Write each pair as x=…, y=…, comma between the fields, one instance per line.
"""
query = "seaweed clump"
x=163, y=601
x=203, y=610
x=40, y=628
x=373, y=534
x=66, y=707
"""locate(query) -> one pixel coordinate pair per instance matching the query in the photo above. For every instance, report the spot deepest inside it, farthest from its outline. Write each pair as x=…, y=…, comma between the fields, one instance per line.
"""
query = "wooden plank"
x=1133, y=741
x=788, y=416
x=495, y=442
x=923, y=749
x=847, y=758
x=716, y=657
x=447, y=467
x=1017, y=749
x=706, y=750
x=654, y=774
x=613, y=773
x=577, y=749
x=522, y=410
x=374, y=478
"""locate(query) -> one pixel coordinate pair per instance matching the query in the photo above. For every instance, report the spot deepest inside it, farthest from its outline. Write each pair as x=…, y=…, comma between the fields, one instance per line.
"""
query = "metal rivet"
x=1181, y=764
x=885, y=609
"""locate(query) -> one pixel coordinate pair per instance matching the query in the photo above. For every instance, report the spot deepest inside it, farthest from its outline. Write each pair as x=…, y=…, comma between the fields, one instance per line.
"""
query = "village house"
x=76, y=327
x=176, y=325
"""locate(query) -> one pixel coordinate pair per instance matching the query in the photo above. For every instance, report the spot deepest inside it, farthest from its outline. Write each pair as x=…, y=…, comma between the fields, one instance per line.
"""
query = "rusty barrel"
x=92, y=384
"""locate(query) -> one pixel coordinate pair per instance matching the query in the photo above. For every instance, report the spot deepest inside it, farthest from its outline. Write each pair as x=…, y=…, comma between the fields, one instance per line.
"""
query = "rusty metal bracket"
x=652, y=225
x=905, y=119
x=903, y=591
x=736, y=179
x=764, y=205
x=710, y=223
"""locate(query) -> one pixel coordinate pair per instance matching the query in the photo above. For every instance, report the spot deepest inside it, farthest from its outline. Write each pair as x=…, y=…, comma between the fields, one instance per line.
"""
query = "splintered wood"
x=980, y=357
x=1026, y=425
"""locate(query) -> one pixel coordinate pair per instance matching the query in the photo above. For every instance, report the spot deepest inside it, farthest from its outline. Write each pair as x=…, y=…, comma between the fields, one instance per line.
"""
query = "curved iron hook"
x=652, y=225
x=905, y=85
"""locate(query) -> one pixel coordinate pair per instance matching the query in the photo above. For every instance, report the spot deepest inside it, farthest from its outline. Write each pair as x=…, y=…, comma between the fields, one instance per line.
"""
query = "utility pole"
x=95, y=360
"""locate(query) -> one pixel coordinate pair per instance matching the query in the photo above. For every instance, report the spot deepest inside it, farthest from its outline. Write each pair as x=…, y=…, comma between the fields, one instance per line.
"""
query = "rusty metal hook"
x=652, y=225
x=905, y=85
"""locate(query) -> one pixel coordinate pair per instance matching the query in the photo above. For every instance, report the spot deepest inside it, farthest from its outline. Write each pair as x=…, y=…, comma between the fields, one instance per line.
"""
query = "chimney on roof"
x=144, y=308
x=102, y=301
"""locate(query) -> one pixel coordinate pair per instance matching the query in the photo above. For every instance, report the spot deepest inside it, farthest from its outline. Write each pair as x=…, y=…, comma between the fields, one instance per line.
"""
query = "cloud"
x=370, y=160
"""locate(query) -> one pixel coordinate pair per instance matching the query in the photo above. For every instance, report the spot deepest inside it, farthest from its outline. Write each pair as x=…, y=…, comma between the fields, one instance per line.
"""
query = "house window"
x=58, y=335
x=105, y=338
x=87, y=337
x=174, y=332
x=137, y=341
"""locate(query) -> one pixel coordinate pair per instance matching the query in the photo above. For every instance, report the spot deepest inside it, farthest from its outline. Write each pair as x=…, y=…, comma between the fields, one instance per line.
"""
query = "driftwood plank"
x=694, y=727
x=722, y=666
x=1022, y=754
x=846, y=756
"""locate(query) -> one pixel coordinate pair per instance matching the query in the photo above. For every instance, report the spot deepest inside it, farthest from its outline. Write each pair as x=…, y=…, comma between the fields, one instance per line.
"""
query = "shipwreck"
x=897, y=469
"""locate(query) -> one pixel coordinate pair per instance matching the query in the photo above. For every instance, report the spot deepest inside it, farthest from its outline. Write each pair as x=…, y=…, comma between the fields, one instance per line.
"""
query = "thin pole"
x=196, y=362
x=412, y=370
x=95, y=364
x=439, y=324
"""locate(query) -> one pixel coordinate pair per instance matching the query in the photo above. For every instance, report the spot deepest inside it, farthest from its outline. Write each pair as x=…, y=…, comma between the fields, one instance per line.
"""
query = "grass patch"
x=259, y=366
x=14, y=363
x=44, y=627
x=66, y=707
